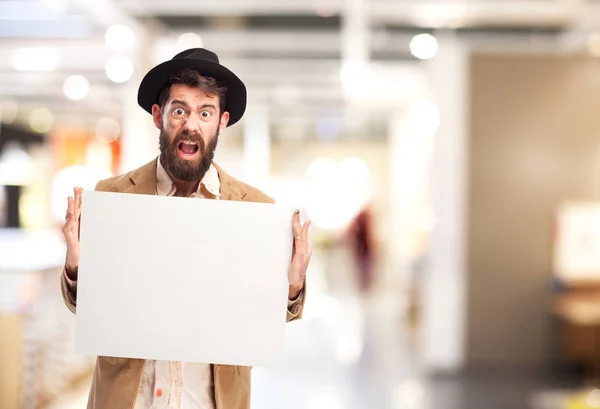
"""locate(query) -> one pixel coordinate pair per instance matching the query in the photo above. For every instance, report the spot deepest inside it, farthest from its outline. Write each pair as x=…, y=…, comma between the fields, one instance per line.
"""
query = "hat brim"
x=158, y=78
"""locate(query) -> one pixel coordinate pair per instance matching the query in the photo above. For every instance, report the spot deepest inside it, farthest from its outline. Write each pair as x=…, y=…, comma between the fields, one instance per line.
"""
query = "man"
x=191, y=98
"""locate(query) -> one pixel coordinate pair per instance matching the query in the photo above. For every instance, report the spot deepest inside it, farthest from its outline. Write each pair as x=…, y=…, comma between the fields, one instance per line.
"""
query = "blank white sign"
x=183, y=279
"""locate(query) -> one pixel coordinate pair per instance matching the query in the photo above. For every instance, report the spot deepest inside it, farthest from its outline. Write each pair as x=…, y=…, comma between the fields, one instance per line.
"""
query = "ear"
x=157, y=115
x=224, y=120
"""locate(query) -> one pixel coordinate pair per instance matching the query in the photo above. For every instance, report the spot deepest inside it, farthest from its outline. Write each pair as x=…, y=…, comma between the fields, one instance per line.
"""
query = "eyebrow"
x=203, y=106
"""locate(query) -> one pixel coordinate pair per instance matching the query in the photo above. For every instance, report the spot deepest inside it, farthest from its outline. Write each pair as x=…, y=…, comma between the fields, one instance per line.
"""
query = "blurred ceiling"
x=290, y=53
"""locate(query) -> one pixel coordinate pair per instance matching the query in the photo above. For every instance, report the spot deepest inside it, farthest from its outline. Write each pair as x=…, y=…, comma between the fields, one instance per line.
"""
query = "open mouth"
x=187, y=149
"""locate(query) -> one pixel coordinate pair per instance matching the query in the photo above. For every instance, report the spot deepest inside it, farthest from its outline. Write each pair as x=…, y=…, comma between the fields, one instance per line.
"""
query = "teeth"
x=189, y=143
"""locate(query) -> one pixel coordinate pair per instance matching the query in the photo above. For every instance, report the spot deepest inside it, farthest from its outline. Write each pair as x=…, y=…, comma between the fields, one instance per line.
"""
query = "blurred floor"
x=350, y=352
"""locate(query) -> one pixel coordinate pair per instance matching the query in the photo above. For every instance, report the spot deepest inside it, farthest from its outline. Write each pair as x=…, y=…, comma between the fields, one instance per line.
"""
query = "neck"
x=183, y=188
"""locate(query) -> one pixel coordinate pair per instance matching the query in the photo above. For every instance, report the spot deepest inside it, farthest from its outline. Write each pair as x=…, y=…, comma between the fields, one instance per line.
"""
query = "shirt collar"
x=165, y=186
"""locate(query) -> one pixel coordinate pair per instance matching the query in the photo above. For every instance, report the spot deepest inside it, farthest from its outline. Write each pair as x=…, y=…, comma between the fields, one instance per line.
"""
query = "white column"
x=257, y=146
x=355, y=32
x=444, y=291
x=407, y=162
x=411, y=133
x=355, y=50
x=139, y=140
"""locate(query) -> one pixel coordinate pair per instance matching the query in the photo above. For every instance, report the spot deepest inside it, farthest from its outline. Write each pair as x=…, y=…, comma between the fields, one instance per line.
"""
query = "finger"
x=78, y=220
x=78, y=195
x=297, y=227
x=304, y=233
x=69, y=208
x=68, y=226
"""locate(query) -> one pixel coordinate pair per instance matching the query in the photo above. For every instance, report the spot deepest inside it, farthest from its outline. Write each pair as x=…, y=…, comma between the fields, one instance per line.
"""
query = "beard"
x=185, y=170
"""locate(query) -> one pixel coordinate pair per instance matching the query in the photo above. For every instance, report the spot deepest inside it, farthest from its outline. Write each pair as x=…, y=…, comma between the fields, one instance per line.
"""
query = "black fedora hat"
x=207, y=64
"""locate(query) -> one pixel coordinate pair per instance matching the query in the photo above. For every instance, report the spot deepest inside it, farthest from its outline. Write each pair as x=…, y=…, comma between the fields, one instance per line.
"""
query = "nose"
x=192, y=124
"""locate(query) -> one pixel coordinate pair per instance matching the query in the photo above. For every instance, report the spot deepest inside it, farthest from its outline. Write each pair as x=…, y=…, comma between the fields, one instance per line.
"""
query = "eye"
x=205, y=114
x=178, y=112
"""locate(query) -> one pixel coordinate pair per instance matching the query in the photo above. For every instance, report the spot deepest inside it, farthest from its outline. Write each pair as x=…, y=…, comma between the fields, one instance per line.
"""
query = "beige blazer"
x=116, y=381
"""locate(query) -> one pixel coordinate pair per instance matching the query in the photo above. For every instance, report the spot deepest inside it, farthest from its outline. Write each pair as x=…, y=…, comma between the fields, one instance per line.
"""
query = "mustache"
x=186, y=136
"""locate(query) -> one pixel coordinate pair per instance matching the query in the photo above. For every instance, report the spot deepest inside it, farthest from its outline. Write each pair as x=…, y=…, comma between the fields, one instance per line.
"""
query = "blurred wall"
x=534, y=142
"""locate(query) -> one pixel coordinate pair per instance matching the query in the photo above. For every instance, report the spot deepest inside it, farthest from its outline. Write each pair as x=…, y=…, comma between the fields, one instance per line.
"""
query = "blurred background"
x=447, y=152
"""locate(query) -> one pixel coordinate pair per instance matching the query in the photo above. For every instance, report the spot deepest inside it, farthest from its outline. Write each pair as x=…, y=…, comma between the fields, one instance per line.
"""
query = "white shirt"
x=179, y=385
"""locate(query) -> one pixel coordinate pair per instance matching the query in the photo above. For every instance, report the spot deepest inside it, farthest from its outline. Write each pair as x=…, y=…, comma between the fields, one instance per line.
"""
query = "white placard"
x=183, y=279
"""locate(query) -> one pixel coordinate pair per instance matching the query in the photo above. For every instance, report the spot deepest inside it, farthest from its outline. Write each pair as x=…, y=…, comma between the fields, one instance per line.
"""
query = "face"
x=189, y=123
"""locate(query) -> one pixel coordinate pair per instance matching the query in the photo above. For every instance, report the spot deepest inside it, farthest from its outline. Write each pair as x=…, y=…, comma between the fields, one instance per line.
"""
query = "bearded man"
x=191, y=98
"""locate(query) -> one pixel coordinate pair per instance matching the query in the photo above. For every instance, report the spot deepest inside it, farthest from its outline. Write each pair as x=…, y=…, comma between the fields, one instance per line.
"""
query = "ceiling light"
x=423, y=46
x=119, y=38
x=76, y=87
x=119, y=69
x=188, y=40
x=34, y=59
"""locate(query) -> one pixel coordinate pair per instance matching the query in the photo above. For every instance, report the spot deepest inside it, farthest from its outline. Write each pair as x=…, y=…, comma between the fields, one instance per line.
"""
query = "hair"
x=192, y=78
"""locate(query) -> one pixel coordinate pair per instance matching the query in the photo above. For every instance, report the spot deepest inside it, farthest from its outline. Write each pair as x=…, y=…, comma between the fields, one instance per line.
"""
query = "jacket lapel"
x=143, y=180
x=231, y=188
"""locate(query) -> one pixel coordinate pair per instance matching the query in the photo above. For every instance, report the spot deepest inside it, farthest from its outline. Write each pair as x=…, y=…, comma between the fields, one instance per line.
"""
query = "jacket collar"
x=143, y=181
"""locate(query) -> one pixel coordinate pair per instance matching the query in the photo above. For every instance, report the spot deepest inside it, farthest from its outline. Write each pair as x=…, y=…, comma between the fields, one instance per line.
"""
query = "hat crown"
x=202, y=61
x=198, y=54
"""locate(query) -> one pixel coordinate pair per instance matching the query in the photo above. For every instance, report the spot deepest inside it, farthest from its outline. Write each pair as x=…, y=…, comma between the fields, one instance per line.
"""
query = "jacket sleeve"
x=69, y=292
x=296, y=307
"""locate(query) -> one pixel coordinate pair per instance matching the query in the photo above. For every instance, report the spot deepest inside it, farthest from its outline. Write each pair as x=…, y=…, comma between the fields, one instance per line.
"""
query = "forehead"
x=191, y=95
